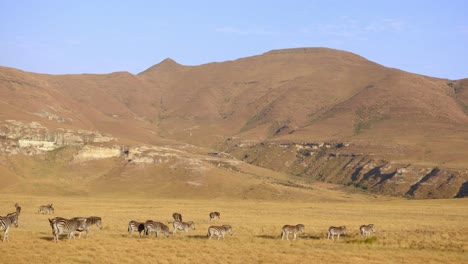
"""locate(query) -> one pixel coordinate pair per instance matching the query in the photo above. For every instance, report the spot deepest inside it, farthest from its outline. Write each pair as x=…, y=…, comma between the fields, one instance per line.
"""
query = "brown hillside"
x=282, y=96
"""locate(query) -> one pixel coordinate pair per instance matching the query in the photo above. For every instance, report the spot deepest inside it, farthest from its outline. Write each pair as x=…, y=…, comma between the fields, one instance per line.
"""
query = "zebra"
x=177, y=217
x=219, y=231
x=6, y=222
x=366, y=230
x=157, y=227
x=287, y=229
x=135, y=226
x=183, y=226
x=62, y=225
x=18, y=208
x=46, y=209
x=214, y=215
x=333, y=230
x=92, y=220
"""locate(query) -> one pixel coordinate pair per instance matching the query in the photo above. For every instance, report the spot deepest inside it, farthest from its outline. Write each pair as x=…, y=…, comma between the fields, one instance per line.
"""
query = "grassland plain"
x=408, y=231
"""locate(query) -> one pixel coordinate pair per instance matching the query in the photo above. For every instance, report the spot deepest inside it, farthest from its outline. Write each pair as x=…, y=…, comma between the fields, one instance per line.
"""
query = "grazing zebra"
x=46, y=209
x=366, y=230
x=333, y=230
x=90, y=221
x=61, y=225
x=6, y=222
x=219, y=231
x=18, y=208
x=177, y=217
x=287, y=229
x=135, y=226
x=214, y=215
x=157, y=227
x=183, y=226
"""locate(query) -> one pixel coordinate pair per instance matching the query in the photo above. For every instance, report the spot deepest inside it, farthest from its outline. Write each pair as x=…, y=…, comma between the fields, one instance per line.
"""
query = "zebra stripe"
x=219, y=231
x=177, y=217
x=288, y=229
x=157, y=227
x=214, y=215
x=333, y=230
x=366, y=230
x=46, y=209
x=6, y=222
x=90, y=221
x=183, y=226
x=62, y=225
x=135, y=226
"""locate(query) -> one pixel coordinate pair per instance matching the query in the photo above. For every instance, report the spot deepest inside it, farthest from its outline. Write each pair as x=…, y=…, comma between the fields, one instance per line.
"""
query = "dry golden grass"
x=422, y=231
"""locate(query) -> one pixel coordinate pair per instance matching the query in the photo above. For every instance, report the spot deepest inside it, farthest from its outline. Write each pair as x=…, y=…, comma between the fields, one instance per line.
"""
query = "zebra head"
x=343, y=230
x=191, y=224
x=372, y=227
x=228, y=229
x=95, y=220
x=300, y=227
x=18, y=208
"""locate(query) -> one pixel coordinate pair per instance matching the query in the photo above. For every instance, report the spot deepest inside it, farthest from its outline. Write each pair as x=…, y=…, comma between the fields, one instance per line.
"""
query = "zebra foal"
x=157, y=227
x=46, y=209
x=219, y=231
x=6, y=222
x=214, y=215
x=333, y=230
x=366, y=230
x=135, y=226
x=288, y=229
x=183, y=226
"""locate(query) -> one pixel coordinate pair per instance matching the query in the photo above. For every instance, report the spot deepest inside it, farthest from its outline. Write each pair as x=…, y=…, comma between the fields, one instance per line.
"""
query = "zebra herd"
x=157, y=227
x=60, y=225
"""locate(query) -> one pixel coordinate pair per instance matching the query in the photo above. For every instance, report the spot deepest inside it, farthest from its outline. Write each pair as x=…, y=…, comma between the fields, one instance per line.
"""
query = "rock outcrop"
x=332, y=162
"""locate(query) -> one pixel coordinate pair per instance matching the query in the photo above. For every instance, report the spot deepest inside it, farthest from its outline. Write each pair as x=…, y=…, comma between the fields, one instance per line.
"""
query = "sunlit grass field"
x=407, y=231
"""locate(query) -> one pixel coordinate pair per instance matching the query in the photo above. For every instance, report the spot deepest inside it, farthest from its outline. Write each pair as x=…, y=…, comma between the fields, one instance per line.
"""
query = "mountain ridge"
x=281, y=96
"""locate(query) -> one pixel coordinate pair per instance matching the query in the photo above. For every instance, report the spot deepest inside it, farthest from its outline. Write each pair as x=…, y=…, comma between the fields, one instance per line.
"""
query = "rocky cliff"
x=339, y=163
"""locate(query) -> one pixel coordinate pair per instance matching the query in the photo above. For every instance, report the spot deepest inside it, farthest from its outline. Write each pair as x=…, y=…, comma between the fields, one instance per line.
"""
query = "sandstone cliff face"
x=332, y=162
x=33, y=138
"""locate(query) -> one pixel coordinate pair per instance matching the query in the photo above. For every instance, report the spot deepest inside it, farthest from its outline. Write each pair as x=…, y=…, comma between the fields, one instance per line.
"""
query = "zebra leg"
x=294, y=236
x=338, y=236
x=5, y=236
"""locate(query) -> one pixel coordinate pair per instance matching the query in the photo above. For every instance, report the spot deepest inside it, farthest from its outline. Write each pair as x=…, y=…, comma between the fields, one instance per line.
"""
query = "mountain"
x=335, y=112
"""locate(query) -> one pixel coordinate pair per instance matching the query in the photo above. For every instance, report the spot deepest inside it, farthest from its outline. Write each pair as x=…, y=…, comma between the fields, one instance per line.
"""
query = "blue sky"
x=57, y=37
